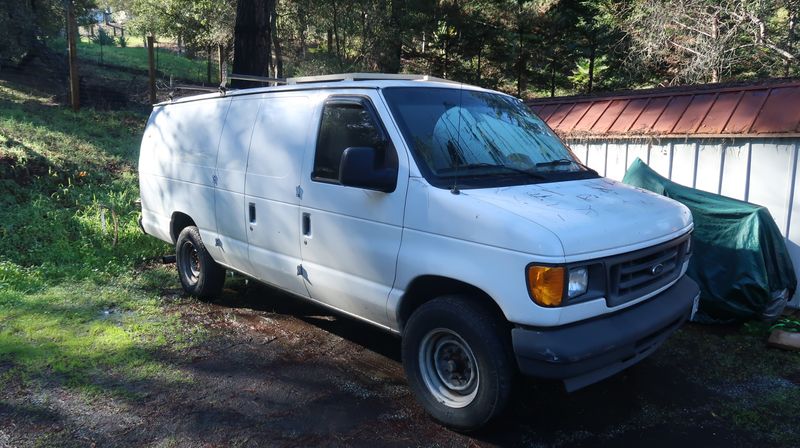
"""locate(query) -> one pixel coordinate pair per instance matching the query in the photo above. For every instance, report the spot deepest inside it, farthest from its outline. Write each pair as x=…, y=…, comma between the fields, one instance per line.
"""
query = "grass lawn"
x=168, y=63
x=73, y=305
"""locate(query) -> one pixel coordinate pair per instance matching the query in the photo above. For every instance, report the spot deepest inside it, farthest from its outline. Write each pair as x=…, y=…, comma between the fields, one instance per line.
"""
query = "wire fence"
x=114, y=67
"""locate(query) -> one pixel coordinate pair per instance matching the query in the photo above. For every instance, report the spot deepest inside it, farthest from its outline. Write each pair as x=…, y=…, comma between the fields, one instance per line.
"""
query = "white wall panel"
x=596, y=157
x=579, y=149
x=761, y=171
x=794, y=206
x=683, y=163
x=709, y=161
x=617, y=160
x=659, y=158
x=734, y=171
x=637, y=150
x=770, y=179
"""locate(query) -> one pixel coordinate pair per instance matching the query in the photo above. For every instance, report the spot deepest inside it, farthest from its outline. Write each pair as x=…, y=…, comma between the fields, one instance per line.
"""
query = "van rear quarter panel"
x=177, y=164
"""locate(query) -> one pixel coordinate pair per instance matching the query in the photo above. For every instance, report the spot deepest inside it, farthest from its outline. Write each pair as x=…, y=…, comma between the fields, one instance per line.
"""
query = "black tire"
x=458, y=331
x=200, y=275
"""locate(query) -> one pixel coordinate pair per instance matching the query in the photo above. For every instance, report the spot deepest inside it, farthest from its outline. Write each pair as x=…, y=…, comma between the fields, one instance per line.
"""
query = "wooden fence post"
x=151, y=61
x=208, y=65
x=74, y=81
x=221, y=65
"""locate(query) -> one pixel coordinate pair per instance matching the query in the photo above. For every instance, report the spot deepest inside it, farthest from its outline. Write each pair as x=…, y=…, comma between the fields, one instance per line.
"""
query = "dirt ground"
x=277, y=371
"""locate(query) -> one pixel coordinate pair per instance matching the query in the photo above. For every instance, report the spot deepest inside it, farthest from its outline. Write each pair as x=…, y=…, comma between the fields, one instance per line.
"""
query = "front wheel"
x=458, y=361
x=200, y=275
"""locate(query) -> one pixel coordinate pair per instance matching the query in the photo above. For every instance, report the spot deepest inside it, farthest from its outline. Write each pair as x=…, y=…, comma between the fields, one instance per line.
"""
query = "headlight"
x=546, y=284
x=578, y=281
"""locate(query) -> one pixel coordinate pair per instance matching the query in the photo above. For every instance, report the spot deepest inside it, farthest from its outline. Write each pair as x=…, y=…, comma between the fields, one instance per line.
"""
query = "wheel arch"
x=178, y=222
x=425, y=288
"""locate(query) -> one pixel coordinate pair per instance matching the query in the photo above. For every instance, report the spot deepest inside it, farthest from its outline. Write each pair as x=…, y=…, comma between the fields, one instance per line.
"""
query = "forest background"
x=527, y=48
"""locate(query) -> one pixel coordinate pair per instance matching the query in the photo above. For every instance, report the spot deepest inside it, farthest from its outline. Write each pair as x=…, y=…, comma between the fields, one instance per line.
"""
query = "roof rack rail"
x=177, y=87
x=366, y=77
x=256, y=78
x=197, y=88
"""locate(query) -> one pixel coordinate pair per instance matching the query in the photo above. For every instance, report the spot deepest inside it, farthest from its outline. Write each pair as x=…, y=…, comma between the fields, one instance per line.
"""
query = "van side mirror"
x=357, y=169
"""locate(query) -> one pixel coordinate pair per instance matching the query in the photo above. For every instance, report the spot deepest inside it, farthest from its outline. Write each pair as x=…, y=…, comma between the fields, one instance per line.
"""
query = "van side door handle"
x=306, y=224
x=252, y=209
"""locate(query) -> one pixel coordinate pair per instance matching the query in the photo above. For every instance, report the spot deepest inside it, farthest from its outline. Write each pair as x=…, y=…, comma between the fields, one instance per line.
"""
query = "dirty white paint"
x=757, y=170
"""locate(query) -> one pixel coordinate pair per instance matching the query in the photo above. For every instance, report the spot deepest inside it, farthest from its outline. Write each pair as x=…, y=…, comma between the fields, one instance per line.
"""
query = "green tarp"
x=739, y=256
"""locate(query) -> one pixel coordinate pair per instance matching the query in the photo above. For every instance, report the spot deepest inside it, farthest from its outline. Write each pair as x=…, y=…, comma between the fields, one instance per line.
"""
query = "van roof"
x=337, y=81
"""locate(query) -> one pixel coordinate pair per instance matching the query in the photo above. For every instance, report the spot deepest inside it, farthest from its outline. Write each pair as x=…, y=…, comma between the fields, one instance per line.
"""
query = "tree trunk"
x=366, y=38
x=446, y=45
x=790, y=40
x=522, y=62
x=302, y=21
x=392, y=48
x=72, y=36
x=276, y=43
x=715, y=36
x=336, y=30
x=478, y=70
x=220, y=64
x=592, y=55
x=151, y=68
x=208, y=65
x=251, y=46
x=270, y=7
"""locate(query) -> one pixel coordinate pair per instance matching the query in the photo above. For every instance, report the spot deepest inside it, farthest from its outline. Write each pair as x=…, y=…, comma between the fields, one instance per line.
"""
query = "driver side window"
x=344, y=125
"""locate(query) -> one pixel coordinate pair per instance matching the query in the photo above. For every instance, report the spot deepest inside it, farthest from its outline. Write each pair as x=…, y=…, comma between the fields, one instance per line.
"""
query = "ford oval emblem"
x=656, y=269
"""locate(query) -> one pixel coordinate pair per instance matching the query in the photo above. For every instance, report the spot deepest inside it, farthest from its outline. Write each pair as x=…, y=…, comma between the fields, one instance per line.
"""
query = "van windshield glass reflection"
x=482, y=137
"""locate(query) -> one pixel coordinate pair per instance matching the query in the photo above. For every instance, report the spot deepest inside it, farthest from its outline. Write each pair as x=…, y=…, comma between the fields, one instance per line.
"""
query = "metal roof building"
x=760, y=111
x=740, y=141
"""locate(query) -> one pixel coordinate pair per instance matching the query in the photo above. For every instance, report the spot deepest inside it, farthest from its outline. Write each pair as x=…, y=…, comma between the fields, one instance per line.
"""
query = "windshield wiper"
x=562, y=162
x=472, y=166
x=557, y=162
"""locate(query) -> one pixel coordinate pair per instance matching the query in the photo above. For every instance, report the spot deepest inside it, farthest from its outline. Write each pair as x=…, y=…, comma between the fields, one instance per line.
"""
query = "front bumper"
x=589, y=351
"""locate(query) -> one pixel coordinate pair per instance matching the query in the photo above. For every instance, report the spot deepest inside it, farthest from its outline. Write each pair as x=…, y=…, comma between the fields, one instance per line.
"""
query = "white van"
x=445, y=213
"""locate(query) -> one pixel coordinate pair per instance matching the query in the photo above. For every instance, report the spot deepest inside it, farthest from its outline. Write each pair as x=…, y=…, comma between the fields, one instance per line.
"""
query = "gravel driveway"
x=275, y=371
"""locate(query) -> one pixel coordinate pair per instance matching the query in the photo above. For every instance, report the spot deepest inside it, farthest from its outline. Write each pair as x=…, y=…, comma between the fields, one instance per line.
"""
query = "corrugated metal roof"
x=764, y=110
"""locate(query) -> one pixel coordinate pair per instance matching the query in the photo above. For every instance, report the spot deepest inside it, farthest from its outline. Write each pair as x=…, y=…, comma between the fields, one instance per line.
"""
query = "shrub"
x=122, y=42
x=103, y=38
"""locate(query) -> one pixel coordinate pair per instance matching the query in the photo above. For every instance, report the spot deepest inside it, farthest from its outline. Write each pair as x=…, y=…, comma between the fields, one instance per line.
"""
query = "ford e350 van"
x=445, y=213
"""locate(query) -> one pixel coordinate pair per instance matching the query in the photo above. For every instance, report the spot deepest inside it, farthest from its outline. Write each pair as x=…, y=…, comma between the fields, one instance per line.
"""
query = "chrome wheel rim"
x=448, y=368
x=189, y=262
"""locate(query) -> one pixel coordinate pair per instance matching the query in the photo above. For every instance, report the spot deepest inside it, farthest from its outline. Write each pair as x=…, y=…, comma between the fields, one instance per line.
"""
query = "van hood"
x=591, y=215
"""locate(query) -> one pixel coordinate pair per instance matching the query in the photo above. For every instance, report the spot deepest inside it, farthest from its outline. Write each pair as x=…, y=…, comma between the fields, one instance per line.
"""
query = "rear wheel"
x=457, y=358
x=200, y=275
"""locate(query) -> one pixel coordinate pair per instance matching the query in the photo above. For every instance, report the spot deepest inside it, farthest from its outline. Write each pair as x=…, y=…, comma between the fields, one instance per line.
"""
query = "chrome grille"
x=642, y=272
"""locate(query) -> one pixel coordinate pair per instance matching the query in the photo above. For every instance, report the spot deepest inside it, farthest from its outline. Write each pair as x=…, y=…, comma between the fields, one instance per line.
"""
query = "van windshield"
x=479, y=139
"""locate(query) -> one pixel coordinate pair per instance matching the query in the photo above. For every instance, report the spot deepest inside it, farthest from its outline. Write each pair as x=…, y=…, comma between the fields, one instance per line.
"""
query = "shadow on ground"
x=277, y=371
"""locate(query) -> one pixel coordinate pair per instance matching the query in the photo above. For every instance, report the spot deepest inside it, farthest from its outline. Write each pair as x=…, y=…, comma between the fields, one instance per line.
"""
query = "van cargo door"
x=229, y=195
x=271, y=212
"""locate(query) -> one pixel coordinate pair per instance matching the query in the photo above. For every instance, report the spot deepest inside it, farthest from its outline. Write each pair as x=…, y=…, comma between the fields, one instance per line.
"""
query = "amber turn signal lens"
x=546, y=284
